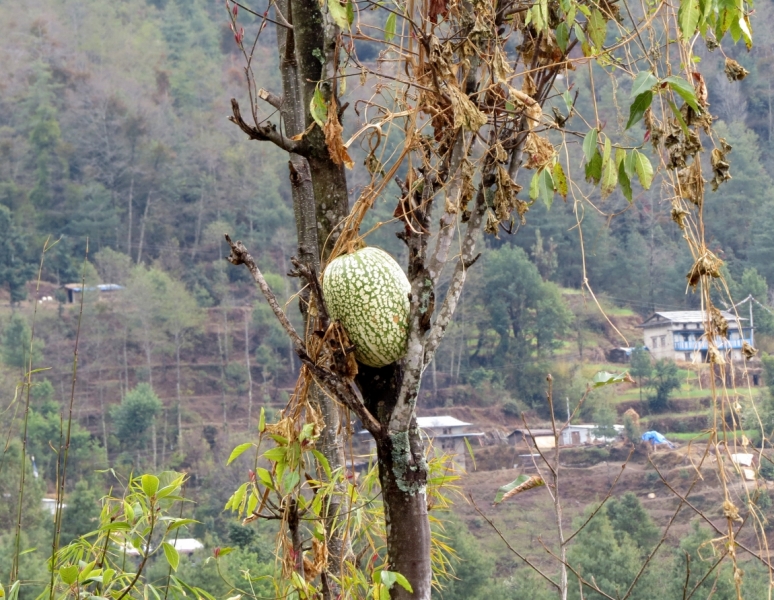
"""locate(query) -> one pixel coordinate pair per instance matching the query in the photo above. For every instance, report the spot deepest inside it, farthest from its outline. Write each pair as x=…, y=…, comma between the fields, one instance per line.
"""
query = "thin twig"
x=511, y=548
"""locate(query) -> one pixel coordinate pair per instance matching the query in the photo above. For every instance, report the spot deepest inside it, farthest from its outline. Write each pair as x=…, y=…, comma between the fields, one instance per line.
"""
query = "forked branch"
x=265, y=133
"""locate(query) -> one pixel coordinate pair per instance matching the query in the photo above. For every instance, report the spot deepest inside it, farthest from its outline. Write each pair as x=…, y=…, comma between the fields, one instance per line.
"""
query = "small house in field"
x=532, y=438
x=74, y=290
x=446, y=433
x=577, y=435
x=680, y=335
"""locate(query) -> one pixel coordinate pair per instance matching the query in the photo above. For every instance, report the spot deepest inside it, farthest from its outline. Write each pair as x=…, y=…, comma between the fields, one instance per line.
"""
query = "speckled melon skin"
x=367, y=292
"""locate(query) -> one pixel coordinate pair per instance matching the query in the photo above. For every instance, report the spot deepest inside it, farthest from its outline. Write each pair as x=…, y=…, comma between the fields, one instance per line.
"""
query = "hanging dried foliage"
x=691, y=183
x=720, y=166
x=707, y=264
x=333, y=129
x=718, y=322
x=540, y=151
x=735, y=71
x=678, y=215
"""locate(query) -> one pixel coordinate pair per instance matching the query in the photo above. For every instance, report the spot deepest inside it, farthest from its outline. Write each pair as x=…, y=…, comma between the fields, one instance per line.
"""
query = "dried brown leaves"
x=708, y=264
x=719, y=322
x=735, y=71
x=720, y=166
x=332, y=130
x=315, y=566
x=466, y=114
x=691, y=183
x=540, y=151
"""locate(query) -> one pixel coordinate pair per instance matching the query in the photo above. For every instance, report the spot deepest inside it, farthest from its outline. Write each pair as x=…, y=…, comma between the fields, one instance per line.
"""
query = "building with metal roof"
x=681, y=335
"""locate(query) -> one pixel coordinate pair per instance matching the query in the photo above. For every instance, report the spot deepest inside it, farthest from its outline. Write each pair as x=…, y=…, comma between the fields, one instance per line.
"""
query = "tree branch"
x=240, y=256
x=265, y=133
x=345, y=391
x=273, y=99
x=466, y=260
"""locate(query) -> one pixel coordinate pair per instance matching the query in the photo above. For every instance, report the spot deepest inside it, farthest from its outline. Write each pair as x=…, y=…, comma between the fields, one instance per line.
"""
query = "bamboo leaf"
x=323, y=462
x=521, y=484
x=173, y=558
x=180, y=523
x=238, y=451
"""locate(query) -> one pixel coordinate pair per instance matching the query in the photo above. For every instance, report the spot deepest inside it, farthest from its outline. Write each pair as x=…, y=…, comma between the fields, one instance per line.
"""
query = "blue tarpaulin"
x=656, y=438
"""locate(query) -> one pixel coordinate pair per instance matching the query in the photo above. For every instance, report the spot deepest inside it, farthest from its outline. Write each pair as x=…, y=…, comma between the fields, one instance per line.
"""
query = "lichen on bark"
x=410, y=471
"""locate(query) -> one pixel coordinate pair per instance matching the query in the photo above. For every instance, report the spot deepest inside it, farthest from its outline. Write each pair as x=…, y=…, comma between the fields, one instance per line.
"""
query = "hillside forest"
x=118, y=166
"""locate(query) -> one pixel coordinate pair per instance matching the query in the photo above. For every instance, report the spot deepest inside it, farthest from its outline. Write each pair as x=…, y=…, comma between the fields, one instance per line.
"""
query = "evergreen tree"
x=640, y=366
x=599, y=556
x=694, y=559
x=18, y=344
x=134, y=416
x=664, y=381
x=629, y=518
x=15, y=270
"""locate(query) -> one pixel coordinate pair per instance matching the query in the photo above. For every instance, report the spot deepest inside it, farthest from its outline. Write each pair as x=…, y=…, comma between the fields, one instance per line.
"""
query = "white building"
x=680, y=335
x=446, y=434
x=186, y=546
x=575, y=435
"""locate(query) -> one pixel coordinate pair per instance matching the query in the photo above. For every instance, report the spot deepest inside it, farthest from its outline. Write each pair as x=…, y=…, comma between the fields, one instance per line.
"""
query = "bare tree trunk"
x=148, y=355
x=222, y=380
x=104, y=424
x=249, y=372
x=126, y=361
x=177, y=389
x=130, y=216
x=164, y=440
x=153, y=442
x=199, y=218
x=142, y=228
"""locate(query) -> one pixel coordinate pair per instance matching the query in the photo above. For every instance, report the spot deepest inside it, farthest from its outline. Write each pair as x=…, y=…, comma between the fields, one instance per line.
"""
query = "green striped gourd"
x=367, y=292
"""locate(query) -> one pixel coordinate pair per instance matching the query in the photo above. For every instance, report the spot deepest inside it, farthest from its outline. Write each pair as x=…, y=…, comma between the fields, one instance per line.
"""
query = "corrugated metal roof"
x=445, y=421
x=688, y=316
x=533, y=432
